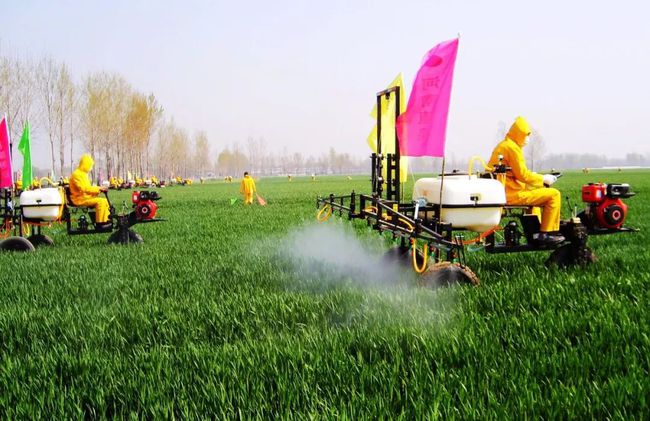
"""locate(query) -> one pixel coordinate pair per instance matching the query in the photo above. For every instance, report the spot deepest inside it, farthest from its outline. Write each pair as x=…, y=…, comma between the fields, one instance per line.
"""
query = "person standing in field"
x=82, y=193
x=247, y=188
x=528, y=188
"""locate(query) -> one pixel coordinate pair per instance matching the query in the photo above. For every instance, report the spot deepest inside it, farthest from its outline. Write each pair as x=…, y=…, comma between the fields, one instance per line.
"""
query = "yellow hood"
x=86, y=163
x=519, y=130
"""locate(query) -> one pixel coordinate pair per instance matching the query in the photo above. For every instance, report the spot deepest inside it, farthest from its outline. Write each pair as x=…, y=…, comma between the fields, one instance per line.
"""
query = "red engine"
x=145, y=205
x=605, y=209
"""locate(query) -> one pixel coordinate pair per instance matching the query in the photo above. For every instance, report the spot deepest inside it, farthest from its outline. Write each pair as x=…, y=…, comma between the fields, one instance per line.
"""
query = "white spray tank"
x=43, y=204
x=468, y=202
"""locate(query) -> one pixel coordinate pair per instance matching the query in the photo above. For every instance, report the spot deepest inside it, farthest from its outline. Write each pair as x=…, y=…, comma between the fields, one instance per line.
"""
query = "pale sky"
x=303, y=74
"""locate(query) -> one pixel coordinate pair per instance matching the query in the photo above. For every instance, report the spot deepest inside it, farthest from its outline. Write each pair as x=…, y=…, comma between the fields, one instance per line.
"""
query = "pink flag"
x=6, y=173
x=423, y=126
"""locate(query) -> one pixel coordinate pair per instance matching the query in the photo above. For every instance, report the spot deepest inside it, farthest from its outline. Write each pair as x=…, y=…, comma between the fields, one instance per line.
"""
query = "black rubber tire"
x=447, y=274
x=125, y=237
x=566, y=256
x=39, y=240
x=16, y=244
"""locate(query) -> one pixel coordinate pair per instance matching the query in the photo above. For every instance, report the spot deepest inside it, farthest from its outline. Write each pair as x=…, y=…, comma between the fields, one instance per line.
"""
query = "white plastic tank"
x=468, y=202
x=44, y=204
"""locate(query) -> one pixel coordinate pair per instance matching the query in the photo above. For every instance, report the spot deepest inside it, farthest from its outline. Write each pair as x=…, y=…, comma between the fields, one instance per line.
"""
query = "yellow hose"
x=471, y=164
x=425, y=252
x=371, y=209
x=481, y=236
x=6, y=229
x=46, y=179
x=407, y=223
x=327, y=208
x=387, y=217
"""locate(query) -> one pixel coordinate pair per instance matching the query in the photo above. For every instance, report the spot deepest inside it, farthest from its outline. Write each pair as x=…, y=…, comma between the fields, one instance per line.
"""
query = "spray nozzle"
x=419, y=202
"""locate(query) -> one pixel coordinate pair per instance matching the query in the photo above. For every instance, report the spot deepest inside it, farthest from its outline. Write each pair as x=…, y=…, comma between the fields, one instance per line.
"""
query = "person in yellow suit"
x=247, y=188
x=524, y=187
x=82, y=193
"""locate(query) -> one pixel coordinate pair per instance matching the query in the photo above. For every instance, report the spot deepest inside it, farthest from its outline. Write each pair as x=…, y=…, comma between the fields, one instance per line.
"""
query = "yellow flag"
x=388, y=127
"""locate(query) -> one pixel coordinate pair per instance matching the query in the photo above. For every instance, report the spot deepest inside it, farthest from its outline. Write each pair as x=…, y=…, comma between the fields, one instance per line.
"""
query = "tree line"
x=126, y=130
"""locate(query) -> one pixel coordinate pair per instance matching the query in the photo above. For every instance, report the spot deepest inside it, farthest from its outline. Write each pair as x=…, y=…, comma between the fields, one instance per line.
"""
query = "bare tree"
x=251, y=143
x=224, y=162
x=17, y=92
x=201, y=153
x=74, y=119
x=179, y=152
x=502, y=130
x=265, y=161
x=141, y=117
x=162, y=148
x=535, y=150
x=46, y=76
x=155, y=111
x=64, y=93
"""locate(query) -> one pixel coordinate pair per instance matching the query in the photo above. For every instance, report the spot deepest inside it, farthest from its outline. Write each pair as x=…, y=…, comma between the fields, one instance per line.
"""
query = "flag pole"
x=442, y=184
x=11, y=150
x=11, y=144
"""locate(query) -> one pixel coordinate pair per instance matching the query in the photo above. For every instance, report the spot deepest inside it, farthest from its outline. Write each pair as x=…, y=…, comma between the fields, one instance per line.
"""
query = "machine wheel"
x=125, y=236
x=446, y=274
x=16, y=244
x=40, y=240
x=567, y=256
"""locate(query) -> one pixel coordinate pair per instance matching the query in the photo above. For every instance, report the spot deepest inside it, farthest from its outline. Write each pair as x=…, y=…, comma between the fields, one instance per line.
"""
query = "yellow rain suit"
x=247, y=188
x=83, y=193
x=524, y=187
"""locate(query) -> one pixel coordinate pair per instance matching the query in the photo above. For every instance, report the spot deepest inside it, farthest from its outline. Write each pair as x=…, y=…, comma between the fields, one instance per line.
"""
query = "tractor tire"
x=566, y=256
x=447, y=274
x=40, y=240
x=125, y=236
x=16, y=244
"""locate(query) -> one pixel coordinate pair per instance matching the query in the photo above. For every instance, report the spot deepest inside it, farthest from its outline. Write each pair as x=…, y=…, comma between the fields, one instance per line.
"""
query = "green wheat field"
x=227, y=311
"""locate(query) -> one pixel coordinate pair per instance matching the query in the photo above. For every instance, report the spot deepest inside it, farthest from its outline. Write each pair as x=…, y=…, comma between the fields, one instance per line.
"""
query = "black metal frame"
x=118, y=221
x=8, y=210
x=400, y=219
x=120, y=224
x=393, y=185
x=408, y=220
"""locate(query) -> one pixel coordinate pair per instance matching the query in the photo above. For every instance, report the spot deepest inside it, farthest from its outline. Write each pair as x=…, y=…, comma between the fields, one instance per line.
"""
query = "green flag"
x=24, y=149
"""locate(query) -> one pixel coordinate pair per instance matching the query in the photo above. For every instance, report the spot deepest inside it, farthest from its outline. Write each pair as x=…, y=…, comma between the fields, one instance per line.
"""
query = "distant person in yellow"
x=84, y=194
x=247, y=188
x=524, y=187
